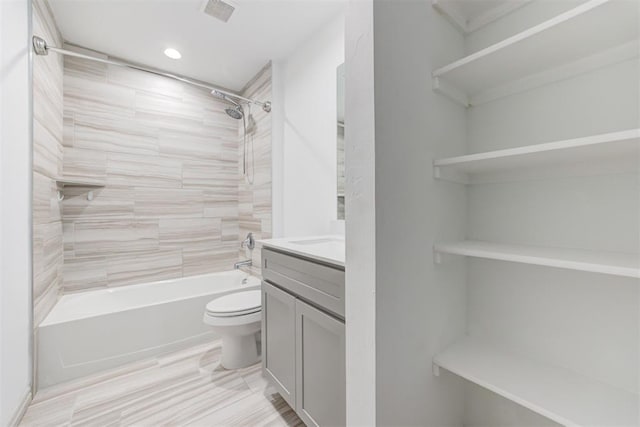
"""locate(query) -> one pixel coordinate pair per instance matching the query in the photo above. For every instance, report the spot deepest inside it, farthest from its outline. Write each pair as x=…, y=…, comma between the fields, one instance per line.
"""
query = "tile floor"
x=186, y=388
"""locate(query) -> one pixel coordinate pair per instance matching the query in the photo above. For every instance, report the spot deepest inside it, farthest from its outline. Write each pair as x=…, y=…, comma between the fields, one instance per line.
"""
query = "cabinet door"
x=278, y=340
x=320, y=367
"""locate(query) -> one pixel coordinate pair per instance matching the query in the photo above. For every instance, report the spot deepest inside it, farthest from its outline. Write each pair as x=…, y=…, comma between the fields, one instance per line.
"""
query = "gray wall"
x=389, y=170
x=417, y=311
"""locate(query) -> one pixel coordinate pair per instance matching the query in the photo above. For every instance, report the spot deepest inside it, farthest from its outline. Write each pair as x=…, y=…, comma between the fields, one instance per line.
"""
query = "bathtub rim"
x=253, y=281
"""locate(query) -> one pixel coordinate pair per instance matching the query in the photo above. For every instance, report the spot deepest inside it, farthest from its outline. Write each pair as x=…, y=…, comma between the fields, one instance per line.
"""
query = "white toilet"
x=236, y=318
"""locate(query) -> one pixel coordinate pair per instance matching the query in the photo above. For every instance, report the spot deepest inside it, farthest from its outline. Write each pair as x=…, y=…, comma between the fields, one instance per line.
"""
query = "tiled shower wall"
x=168, y=156
x=47, y=165
x=255, y=199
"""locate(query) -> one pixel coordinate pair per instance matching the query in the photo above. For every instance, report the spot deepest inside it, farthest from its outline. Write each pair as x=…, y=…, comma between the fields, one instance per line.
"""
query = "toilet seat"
x=235, y=304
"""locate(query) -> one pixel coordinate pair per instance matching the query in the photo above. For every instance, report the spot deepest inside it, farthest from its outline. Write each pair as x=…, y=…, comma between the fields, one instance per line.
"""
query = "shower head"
x=235, y=113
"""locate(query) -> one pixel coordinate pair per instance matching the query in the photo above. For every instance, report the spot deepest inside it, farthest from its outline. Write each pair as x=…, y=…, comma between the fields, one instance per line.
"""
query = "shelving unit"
x=564, y=346
x=556, y=393
x=573, y=35
x=617, y=149
x=616, y=264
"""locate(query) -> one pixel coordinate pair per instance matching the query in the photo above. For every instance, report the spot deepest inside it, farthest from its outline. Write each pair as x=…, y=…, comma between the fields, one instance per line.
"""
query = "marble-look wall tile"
x=113, y=134
x=169, y=157
x=142, y=267
x=149, y=83
x=85, y=273
x=183, y=145
x=144, y=171
x=230, y=230
x=196, y=233
x=111, y=237
x=47, y=166
x=96, y=99
x=108, y=202
x=255, y=199
x=216, y=173
x=161, y=202
x=201, y=261
x=86, y=165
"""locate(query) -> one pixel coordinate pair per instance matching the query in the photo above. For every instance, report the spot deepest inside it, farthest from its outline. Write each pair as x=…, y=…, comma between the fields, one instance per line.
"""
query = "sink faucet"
x=245, y=263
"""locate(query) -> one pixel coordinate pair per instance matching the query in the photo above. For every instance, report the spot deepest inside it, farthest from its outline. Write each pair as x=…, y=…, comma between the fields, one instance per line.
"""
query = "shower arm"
x=41, y=47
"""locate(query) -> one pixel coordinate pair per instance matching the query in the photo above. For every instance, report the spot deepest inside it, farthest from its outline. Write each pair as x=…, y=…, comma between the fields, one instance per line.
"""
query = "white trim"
x=22, y=408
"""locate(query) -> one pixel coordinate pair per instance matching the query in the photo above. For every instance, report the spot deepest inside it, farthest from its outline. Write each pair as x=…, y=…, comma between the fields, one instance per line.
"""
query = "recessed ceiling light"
x=172, y=53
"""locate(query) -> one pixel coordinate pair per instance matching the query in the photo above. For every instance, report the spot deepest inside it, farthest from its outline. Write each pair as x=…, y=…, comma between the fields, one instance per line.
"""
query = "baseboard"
x=24, y=404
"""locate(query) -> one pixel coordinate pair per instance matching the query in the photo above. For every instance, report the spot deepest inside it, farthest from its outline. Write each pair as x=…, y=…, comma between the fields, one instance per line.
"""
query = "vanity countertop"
x=326, y=249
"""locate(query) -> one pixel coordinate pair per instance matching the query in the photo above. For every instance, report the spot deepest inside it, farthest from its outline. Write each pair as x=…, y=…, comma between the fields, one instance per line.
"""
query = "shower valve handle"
x=249, y=242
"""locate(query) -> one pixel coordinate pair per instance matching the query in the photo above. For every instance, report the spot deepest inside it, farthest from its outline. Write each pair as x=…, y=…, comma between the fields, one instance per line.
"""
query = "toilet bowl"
x=236, y=318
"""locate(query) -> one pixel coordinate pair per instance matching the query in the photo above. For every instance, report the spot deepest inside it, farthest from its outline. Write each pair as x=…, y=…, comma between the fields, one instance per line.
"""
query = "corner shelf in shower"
x=615, y=151
x=567, y=38
x=78, y=182
x=556, y=393
x=611, y=263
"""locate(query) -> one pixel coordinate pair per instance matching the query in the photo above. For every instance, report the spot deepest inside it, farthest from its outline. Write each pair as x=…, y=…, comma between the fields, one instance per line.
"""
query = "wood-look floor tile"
x=254, y=378
x=255, y=410
x=85, y=383
x=51, y=412
x=182, y=388
x=177, y=406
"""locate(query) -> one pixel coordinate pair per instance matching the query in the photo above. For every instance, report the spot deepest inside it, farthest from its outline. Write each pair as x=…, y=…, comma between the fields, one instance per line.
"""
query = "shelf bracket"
x=435, y=369
x=446, y=174
x=437, y=257
x=452, y=15
x=60, y=195
x=454, y=94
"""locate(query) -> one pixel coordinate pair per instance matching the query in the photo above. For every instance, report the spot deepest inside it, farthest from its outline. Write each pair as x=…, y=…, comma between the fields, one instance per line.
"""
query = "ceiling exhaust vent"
x=219, y=9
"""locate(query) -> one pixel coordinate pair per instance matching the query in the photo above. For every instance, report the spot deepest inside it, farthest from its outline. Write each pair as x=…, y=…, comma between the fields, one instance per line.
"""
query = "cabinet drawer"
x=319, y=284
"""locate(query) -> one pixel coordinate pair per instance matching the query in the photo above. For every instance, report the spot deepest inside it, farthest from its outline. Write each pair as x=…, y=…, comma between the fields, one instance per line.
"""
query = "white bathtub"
x=96, y=330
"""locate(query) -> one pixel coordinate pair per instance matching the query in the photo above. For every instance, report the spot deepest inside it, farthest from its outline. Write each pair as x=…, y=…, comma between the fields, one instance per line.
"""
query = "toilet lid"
x=236, y=304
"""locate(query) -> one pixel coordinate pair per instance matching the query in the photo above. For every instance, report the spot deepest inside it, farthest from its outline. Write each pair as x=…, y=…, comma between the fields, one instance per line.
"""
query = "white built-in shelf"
x=612, y=263
x=620, y=149
x=585, y=31
x=556, y=393
x=469, y=16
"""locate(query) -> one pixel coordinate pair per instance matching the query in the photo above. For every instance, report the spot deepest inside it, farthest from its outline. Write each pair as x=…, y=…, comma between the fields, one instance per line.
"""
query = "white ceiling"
x=224, y=54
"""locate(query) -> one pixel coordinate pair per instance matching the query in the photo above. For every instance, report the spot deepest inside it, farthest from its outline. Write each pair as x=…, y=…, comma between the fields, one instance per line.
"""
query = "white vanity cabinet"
x=303, y=335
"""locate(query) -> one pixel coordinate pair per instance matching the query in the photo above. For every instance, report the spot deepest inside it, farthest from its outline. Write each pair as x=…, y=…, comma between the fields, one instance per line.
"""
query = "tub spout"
x=245, y=263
